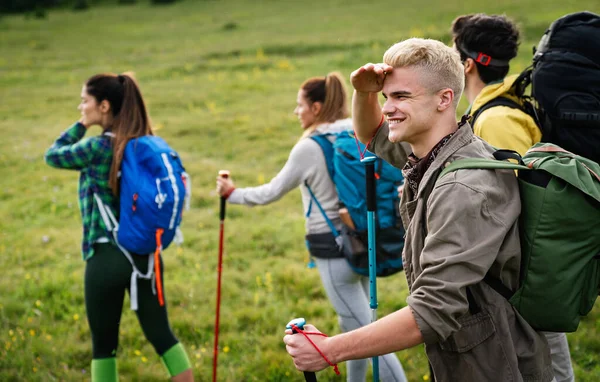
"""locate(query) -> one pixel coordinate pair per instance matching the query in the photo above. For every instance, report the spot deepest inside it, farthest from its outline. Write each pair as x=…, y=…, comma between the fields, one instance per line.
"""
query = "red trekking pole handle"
x=223, y=174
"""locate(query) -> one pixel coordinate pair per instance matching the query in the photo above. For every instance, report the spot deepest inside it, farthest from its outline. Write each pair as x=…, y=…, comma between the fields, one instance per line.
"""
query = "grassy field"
x=220, y=79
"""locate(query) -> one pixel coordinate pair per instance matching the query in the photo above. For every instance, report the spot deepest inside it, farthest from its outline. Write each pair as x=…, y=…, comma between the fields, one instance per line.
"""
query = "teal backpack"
x=560, y=234
x=342, y=156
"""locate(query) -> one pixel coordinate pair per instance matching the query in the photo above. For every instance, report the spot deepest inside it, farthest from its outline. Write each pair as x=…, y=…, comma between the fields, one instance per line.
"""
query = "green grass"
x=220, y=79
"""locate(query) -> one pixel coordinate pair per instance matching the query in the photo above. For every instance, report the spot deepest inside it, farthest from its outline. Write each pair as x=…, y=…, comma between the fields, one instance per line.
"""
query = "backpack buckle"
x=483, y=59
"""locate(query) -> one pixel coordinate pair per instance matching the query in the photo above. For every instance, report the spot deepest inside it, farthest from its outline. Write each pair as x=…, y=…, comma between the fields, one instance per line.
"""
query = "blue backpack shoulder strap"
x=327, y=148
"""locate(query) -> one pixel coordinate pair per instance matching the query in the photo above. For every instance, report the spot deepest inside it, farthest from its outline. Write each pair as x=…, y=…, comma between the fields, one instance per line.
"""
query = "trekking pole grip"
x=369, y=163
x=223, y=174
x=309, y=376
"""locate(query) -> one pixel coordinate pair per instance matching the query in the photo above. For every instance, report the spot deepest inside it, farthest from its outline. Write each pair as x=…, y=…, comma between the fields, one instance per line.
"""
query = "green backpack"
x=560, y=234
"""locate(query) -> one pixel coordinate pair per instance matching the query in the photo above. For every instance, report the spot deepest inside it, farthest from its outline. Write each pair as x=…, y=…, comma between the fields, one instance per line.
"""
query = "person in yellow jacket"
x=486, y=45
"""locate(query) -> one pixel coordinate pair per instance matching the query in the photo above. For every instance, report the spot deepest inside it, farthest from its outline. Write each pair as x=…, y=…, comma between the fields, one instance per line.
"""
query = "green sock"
x=104, y=370
x=176, y=360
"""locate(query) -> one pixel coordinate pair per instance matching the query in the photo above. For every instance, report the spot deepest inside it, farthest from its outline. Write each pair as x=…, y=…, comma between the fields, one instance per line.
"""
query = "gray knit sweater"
x=305, y=163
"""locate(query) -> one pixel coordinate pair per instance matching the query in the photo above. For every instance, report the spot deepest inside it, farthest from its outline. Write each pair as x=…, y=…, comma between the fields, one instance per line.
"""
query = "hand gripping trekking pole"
x=370, y=179
x=309, y=376
x=224, y=174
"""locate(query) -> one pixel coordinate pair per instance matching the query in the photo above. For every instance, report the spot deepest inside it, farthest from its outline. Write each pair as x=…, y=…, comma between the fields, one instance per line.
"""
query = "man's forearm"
x=394, y=332
x=366, y=115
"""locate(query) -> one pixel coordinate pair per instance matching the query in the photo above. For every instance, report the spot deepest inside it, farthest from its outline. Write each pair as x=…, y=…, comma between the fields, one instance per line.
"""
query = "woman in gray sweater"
x=321, y=108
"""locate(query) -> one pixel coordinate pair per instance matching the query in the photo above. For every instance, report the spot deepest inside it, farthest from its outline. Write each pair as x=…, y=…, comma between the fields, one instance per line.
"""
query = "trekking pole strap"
x=296, y=329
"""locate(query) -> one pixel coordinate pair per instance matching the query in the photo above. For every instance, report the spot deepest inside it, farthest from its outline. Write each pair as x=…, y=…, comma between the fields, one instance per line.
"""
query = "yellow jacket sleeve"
x=507, y=128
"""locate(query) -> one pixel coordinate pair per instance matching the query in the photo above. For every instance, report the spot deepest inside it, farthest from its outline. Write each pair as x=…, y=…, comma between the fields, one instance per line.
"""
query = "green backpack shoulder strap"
x=481, y=163
x=492, y=164
x=576, y=170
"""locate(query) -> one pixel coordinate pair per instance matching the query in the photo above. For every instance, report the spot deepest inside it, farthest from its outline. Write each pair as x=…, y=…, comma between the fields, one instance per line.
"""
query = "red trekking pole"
x=224, y=174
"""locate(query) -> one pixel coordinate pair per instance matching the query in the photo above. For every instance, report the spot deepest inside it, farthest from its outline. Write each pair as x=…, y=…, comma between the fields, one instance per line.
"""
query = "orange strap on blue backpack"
x=161, y=299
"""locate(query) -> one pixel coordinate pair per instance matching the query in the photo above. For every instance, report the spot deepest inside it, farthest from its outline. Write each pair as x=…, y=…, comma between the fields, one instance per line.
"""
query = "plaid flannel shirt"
x=92, y=157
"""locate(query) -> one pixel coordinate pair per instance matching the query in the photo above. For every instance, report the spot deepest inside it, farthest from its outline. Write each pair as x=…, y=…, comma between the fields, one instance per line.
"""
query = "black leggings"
x=107, y=276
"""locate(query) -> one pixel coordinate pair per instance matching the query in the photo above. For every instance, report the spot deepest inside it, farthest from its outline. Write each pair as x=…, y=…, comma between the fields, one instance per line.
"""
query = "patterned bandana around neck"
x=415, y=168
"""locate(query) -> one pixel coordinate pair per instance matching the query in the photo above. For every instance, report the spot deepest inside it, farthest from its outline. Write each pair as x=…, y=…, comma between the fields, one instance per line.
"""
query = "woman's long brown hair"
x=130, y=117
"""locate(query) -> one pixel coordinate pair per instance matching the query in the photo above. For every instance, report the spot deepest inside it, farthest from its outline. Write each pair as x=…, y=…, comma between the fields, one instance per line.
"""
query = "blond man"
x=460, y=228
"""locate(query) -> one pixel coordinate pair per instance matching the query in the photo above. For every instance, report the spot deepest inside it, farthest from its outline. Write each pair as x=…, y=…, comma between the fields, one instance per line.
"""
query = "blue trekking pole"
x=370, y=178
x=309, y=376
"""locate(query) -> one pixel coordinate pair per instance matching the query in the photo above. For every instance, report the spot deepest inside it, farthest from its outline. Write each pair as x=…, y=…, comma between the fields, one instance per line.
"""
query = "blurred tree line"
x=39, y=7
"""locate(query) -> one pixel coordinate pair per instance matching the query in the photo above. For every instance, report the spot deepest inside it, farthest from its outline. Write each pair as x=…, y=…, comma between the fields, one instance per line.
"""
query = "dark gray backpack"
x=565, y=84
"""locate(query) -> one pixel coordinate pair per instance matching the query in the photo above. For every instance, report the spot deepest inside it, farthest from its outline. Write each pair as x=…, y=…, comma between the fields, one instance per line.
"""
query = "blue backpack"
x=341, y=152
x=152, y=195
x=154, y=188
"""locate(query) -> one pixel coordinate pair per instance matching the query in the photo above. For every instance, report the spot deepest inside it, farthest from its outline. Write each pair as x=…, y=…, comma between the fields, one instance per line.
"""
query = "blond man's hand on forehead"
x=369, y=78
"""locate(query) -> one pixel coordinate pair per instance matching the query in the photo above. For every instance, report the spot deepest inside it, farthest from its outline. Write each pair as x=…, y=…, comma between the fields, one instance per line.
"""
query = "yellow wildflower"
x=285, y=65
x=260, y=54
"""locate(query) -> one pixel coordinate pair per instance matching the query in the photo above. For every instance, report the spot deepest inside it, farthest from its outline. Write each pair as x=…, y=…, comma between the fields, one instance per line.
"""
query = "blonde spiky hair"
x=439, y=64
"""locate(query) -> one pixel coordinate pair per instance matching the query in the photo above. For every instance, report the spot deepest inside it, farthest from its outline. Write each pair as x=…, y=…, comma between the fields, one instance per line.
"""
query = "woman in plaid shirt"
x=115, y=103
